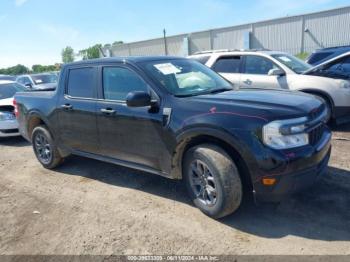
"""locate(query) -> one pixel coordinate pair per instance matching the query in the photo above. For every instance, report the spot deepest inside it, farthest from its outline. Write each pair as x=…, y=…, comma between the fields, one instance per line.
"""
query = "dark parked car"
x=179, y=119
x=321, y=55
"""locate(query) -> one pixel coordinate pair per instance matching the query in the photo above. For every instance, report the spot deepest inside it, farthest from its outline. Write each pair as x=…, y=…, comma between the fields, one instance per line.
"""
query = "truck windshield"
x=44, y=79
x=184, y=77
x=295, y=64
x=9, y=90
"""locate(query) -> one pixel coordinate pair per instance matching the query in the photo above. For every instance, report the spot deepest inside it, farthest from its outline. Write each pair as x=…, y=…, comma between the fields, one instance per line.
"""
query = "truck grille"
x=316, y=134
x=316, y=118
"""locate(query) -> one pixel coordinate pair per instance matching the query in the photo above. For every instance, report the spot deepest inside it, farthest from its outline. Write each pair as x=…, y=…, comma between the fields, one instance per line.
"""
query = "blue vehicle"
x=321, y=55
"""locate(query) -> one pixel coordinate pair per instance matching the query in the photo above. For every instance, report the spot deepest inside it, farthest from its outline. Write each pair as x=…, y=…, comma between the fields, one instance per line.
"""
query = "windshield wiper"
x=214, y=91
x=220, y=90
x=188, y=95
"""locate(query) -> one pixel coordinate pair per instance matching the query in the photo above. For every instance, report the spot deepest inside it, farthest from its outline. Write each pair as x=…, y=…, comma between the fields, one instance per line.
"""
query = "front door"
x=127, y=133
x=77, y=110
x=255, y=74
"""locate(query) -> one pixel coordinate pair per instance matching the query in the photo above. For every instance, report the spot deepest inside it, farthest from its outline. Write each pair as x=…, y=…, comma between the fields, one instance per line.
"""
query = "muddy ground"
x=90, y=207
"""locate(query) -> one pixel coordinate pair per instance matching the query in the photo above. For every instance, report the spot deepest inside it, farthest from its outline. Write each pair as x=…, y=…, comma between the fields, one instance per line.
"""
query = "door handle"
x=108, y=111
x=248, y=82
x=67, y=106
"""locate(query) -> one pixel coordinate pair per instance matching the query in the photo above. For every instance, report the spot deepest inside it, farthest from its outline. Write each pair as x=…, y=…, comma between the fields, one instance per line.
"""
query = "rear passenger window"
x=258, y=65
x=118, y=82
x=227, y=64
x=81, y=82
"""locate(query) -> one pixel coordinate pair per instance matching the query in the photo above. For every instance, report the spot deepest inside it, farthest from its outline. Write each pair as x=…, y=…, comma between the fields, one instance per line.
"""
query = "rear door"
x=230, y=68
x=128, y=133
x=77, y=110
x=255, y=73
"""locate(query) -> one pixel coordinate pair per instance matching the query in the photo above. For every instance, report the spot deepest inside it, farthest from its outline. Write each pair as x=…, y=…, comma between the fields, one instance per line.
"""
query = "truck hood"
x=274, y=103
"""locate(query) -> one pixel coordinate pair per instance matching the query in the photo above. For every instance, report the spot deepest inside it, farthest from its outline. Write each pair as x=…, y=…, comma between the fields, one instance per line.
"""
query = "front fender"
x=232, y=138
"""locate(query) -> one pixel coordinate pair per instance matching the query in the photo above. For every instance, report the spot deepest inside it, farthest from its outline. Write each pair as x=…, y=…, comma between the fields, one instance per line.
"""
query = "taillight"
x=16, y=108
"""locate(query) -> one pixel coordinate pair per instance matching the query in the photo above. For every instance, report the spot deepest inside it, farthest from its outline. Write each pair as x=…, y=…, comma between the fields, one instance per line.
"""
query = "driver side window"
x=20, y=80
x=27, y=81
x=118, y=82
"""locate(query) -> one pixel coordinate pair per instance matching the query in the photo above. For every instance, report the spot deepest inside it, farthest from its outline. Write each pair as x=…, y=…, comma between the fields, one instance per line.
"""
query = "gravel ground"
x=90, y=207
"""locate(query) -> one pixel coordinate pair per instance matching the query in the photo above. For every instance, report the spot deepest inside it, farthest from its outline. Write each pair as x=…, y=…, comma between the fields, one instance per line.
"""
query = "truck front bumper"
x=302, y=170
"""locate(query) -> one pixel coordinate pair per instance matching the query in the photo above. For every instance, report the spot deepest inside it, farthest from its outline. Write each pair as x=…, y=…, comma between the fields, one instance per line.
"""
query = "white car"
x=273, y=69
x=8, y=122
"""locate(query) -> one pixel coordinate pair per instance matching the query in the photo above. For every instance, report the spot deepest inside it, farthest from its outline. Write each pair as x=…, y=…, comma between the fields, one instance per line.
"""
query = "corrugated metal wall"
x=290, y=34
x=327, y=29
x=282, y=35
x=175, y=45
x=229, y=38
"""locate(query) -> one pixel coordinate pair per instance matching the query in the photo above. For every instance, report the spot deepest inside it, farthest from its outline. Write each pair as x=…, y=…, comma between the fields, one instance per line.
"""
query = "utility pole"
x=165, y=43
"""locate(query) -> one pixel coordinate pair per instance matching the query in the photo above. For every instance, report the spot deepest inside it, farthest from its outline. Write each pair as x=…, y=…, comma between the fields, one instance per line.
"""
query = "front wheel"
x=212, y=180
x=45, y=148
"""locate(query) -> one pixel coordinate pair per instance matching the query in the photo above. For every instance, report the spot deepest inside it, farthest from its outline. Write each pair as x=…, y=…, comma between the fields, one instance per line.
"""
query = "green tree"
x=91, y=52
x=67, y=54
x=118, y=43
x=16, y=70
x=38, y=68
x=302, y=55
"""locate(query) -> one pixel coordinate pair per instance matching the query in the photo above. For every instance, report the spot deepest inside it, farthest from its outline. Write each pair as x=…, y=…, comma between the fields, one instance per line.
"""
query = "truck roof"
x=132, y=59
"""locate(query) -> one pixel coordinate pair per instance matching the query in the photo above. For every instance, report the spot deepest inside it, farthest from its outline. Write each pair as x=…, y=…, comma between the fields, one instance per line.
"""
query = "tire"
x=223, y=177
x=45, y=148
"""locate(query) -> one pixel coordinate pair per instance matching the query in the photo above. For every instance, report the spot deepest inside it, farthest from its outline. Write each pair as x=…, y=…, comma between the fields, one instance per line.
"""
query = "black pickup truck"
x=177, y=118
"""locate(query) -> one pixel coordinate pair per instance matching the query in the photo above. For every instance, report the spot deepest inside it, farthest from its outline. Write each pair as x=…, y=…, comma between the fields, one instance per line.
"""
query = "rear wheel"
x=212, y=180
x=45, y=148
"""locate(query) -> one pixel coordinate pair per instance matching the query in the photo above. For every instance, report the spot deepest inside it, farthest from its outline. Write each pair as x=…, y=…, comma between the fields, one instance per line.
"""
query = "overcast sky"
x=35, y=31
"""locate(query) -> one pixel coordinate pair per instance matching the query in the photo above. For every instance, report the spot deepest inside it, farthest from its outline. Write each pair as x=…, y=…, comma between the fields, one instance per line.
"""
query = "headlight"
x=5, y=116
x=343, y=83
x=284, y=134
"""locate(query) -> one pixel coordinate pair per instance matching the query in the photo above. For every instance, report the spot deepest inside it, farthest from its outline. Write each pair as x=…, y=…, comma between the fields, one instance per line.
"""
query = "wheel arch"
x=321, y=93
x=220, y=138
x=35, y=119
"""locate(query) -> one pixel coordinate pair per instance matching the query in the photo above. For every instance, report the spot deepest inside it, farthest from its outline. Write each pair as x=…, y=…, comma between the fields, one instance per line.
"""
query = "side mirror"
x=276, y=72
x=28, y=85
x=138, y=99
